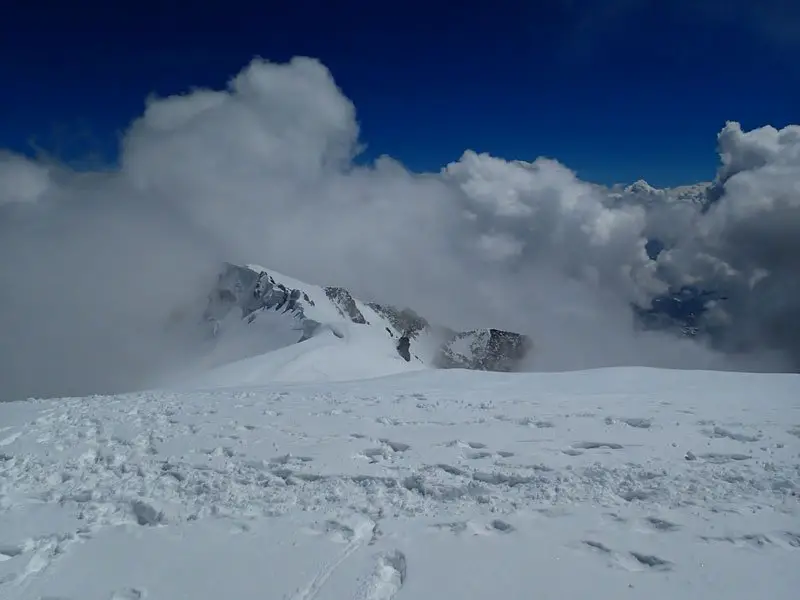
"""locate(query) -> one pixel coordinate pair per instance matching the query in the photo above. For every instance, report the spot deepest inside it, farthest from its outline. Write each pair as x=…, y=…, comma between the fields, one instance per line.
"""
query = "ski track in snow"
x=655, y=473
x=358, y=538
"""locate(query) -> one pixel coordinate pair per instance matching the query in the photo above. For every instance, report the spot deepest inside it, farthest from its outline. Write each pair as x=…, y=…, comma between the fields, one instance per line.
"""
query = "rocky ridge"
x=253, y=292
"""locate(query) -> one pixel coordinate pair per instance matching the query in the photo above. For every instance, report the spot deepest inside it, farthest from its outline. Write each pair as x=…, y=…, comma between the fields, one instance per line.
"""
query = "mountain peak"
x=253, y=312
x=640, y=186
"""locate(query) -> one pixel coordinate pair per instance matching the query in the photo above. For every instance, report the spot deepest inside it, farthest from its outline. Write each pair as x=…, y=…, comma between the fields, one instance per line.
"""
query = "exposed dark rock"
x=250, y=292
x=404, y=348
x=345, y=303
x=484, y=350
x=405, y=320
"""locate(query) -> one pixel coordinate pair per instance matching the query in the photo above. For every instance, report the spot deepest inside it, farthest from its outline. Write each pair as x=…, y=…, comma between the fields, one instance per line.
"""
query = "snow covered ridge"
x=641, y=193
x=252, y=293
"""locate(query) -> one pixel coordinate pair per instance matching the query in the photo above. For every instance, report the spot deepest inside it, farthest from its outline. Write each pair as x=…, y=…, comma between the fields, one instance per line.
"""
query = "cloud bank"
x=93, y=263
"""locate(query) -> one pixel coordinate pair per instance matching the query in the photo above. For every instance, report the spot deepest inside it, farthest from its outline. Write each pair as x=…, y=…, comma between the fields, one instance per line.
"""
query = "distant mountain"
x=642, y=193
x=251, y=311
x=679, y=310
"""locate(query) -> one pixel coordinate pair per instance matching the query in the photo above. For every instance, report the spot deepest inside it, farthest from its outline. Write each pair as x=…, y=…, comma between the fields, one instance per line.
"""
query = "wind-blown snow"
x=619, y=483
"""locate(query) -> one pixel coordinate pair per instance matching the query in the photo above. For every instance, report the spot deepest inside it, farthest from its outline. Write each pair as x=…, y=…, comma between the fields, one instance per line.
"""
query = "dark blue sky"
x=615, y=89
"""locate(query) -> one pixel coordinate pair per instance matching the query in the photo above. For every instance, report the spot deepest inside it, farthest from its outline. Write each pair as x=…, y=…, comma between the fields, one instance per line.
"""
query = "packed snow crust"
x=617, y=483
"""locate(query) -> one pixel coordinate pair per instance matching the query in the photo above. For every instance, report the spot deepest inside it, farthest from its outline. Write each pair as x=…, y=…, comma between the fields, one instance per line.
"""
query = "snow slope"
x=360, y=352
x=619, y=483
x=265, y=349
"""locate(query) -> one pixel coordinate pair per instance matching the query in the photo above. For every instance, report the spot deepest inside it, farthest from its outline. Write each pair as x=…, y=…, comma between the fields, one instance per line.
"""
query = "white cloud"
x=262, y=172
x=748, y=243
x=21, y=180
x=748, y=151
x=556, y=219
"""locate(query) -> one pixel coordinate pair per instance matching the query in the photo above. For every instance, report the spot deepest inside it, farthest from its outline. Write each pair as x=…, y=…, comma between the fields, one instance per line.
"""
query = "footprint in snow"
x=239, y=528
x=478, y=455
x=375, y=454
x=651, y=561
x=501, y=526
x=578, y=447
x=339, y=532
x=531, y=422
x=342, y=532
x=787, y=540
x=451, y=470
x=395, y=446
x=597, y=445
x=721, y=432
x=454, y=527
x=461, y=444
x=496, y=526
x=636, y=422
x=129, y=594
x=630, y=561
x=387, y=578
x=615, y=518
x=288, y=459
x=661, y=525
x=723, y=458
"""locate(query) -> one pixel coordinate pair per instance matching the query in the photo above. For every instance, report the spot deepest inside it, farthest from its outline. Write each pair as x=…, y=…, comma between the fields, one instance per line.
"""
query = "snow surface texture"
x=279, y=311
x=619, y=483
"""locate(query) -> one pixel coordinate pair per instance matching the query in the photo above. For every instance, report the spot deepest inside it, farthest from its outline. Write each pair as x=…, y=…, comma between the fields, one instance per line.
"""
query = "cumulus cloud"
x=21, y=181
x=747, y=245
x=94, y=262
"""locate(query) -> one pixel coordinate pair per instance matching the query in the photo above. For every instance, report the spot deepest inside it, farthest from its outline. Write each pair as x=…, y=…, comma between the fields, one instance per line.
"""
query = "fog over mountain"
x=94, y=263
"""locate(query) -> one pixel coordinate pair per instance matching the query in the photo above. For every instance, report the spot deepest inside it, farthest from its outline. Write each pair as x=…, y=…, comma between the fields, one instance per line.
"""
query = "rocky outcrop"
x=404, y=348
x=404, y=320
x=251, y=291
x=344, y=302
x=485, y=350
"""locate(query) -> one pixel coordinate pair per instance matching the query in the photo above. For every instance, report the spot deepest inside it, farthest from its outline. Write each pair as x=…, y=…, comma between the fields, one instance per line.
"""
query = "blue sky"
x=615, y=89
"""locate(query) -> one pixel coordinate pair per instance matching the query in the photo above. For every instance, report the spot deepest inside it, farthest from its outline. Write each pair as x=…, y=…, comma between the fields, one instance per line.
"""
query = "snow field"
x=618, y=483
